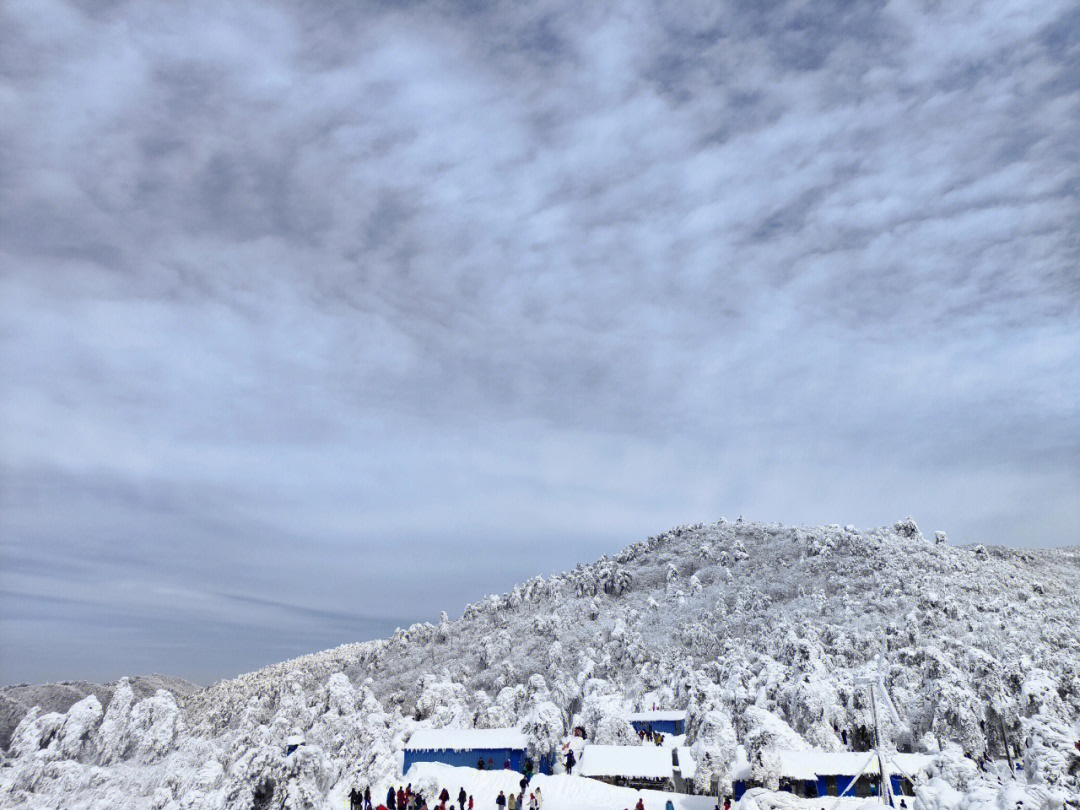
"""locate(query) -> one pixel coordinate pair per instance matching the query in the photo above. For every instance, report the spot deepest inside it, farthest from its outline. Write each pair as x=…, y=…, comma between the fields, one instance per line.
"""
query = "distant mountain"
x=760, y=630
x=17, y=700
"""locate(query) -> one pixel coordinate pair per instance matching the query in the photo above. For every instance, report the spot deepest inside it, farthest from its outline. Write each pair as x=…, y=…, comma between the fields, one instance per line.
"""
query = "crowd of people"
x=517, y=801
x=405, y=798
x=648, y=735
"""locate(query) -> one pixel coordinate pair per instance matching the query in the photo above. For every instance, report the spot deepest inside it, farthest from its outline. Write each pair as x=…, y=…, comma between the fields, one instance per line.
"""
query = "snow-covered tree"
x=715, y=748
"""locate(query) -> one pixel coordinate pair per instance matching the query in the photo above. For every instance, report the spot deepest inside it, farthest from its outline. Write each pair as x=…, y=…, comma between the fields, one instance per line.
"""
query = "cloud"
x=289, y=289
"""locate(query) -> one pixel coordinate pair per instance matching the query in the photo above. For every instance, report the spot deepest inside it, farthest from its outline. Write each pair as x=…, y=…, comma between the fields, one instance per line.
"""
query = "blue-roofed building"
x=468, y=747
x=813, y=774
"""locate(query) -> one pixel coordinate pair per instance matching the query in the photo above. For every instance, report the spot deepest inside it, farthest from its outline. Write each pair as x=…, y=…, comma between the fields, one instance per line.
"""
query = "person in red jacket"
x=400, y=798
x=640, y=804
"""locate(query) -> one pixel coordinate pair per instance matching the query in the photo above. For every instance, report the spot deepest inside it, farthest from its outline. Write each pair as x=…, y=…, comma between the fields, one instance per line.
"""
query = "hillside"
x=759, y=629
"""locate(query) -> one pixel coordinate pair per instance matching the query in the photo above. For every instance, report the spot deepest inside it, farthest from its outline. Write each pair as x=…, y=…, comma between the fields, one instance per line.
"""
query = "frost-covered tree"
x=766, y=734
x=715, y=749
x=605, y=715
x=442, y=630
x=114, y=739
x=543, y=726
x=443, y=702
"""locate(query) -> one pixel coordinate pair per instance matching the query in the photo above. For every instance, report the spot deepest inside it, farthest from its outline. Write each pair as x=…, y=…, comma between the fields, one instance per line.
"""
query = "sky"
x=318, y=318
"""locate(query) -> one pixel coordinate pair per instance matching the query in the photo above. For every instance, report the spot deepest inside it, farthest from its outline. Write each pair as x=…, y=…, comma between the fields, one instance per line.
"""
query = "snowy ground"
x=563, y=792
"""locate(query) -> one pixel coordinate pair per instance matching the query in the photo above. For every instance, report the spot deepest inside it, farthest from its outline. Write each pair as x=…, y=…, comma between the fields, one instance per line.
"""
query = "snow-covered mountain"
x=16, y=700
x=760, y=630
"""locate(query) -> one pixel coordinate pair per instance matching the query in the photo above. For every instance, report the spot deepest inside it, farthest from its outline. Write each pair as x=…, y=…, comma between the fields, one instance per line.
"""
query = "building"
x=812, y=774
x=643, y=767
x=467, y=747
x=663, y=722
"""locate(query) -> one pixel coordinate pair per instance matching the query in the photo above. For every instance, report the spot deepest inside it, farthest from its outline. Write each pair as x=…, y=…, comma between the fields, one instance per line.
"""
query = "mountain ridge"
x=758, y=629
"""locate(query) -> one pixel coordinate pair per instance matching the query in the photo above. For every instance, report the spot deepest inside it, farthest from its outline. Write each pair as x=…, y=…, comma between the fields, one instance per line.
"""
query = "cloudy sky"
x=318, y=318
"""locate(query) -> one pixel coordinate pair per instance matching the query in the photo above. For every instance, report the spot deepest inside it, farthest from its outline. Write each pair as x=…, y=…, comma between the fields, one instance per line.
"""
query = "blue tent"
x=662, y=722
x=466, y=747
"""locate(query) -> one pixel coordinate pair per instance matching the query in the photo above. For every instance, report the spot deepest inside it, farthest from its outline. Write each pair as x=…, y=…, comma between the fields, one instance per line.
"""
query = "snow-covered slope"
x=760, y=630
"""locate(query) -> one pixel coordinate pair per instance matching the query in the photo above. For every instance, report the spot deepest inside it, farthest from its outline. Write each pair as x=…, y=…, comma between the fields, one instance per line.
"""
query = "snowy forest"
x=758, y=630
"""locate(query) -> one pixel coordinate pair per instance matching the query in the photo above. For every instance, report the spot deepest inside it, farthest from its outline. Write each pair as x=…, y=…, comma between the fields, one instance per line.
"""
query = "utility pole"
x=884, y=778
x=875, y=686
